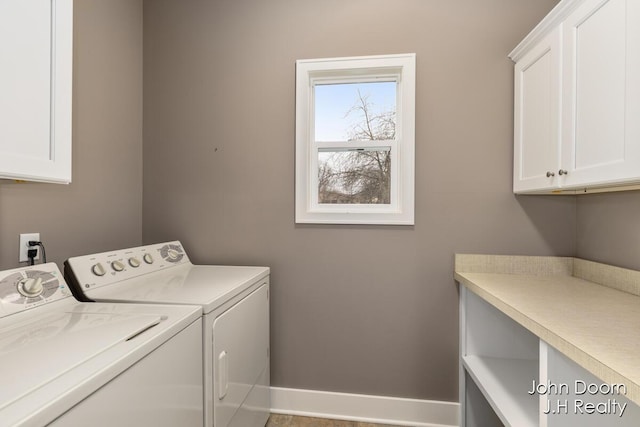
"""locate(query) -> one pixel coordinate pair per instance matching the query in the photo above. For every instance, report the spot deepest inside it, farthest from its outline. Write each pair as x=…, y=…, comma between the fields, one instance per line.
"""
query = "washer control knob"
x=148, y=258
x=173, y=255
x=98, y=269
x=134, y=262
x=117, y=266
x=30, y=287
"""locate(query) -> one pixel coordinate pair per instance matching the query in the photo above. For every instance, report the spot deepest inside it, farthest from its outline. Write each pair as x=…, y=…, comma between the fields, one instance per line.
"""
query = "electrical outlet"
x=24, y=245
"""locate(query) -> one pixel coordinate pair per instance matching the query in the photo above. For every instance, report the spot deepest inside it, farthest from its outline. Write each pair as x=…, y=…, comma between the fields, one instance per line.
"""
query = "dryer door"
x=240, y=353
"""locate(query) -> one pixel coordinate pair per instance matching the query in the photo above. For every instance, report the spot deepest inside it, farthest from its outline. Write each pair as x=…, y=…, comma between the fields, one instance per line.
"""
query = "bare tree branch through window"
x=359, y=175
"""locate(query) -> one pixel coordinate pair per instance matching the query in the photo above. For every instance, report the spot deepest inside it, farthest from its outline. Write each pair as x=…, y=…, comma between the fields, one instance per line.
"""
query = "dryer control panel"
x=26, y=287
x=106, y=268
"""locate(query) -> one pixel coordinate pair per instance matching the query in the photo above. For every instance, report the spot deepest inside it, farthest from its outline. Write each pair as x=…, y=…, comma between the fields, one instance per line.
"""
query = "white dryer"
x=67, y=363
x=235, y=321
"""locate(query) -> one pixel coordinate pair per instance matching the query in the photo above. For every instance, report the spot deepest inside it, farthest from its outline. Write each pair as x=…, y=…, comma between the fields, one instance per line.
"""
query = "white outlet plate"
x=24, y=245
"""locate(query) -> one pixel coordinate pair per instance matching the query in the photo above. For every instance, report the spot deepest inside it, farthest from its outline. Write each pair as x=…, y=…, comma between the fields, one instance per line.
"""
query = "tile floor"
x=293, y=421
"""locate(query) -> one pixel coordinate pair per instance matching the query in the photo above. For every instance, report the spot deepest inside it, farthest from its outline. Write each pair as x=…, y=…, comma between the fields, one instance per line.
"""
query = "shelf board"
x=504, y=383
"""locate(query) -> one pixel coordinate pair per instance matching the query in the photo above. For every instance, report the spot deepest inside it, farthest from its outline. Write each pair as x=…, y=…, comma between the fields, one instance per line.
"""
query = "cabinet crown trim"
x=548, y=23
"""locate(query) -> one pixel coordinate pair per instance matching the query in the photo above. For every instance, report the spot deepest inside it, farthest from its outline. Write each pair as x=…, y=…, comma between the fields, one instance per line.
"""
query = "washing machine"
x=235, y=318
x=66, y=363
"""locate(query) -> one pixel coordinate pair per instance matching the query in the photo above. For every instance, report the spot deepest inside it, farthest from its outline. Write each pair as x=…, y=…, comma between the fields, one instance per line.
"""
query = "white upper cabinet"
x=36, y=38
x=595, y=88
x=537, y=115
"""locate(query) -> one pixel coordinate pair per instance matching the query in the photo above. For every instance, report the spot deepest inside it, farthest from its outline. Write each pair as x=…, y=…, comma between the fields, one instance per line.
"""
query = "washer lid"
x=209, y=286
x=37, y=350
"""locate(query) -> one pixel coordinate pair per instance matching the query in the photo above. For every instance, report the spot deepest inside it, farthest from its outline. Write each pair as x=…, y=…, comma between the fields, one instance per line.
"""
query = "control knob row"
x=99, y=270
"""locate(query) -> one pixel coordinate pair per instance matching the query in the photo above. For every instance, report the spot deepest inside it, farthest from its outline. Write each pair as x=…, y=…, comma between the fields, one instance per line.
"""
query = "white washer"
x=67, y=363
x=235, y=302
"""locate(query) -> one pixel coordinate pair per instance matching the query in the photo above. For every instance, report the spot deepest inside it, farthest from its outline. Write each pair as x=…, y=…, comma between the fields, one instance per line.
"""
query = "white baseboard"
x=364, y=408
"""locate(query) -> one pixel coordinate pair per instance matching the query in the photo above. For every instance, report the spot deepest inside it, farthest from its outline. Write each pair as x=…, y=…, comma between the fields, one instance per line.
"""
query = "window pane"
x=355, y=111
x=359, y=176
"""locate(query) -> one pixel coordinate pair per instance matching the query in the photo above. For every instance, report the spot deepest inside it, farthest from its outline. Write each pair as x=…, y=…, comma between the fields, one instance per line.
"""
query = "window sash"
x=393, y=193
x=313, y=168
x=346, y=79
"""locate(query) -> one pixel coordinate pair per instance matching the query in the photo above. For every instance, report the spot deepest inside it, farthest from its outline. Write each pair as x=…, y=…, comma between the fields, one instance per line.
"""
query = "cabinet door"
x=35, y=83
x=537, y=116
x=601, y=98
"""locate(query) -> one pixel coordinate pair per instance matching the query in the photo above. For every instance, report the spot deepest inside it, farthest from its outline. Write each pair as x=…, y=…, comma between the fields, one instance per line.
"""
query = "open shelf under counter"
x=502, y=382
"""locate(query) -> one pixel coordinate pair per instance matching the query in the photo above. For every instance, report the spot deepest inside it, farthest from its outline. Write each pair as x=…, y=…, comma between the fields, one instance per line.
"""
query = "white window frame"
x=309, y=72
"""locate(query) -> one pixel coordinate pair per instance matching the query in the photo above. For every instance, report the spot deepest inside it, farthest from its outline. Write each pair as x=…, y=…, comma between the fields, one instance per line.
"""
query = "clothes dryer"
x=235, y=321
x=66, y=363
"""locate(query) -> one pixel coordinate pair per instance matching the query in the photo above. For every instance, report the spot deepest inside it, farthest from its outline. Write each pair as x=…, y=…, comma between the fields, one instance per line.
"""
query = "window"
x=355, y=120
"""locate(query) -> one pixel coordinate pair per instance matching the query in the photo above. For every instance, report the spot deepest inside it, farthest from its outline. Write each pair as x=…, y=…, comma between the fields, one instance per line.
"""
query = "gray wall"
x=102, y=208
x=355, y=308
x=608, y=228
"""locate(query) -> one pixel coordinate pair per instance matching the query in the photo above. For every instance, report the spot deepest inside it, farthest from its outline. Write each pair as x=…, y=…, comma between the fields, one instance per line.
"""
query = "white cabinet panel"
x=597, y=147
x=582, y=400
x=35, y=82
x=537, y=116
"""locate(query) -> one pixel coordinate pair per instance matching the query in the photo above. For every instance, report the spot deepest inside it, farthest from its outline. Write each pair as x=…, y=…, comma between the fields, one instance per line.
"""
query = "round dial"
x=30, y=286
x=172, y=253
x=134, y=262
x=148, y=258
x=98, y=269
x=117, y=266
